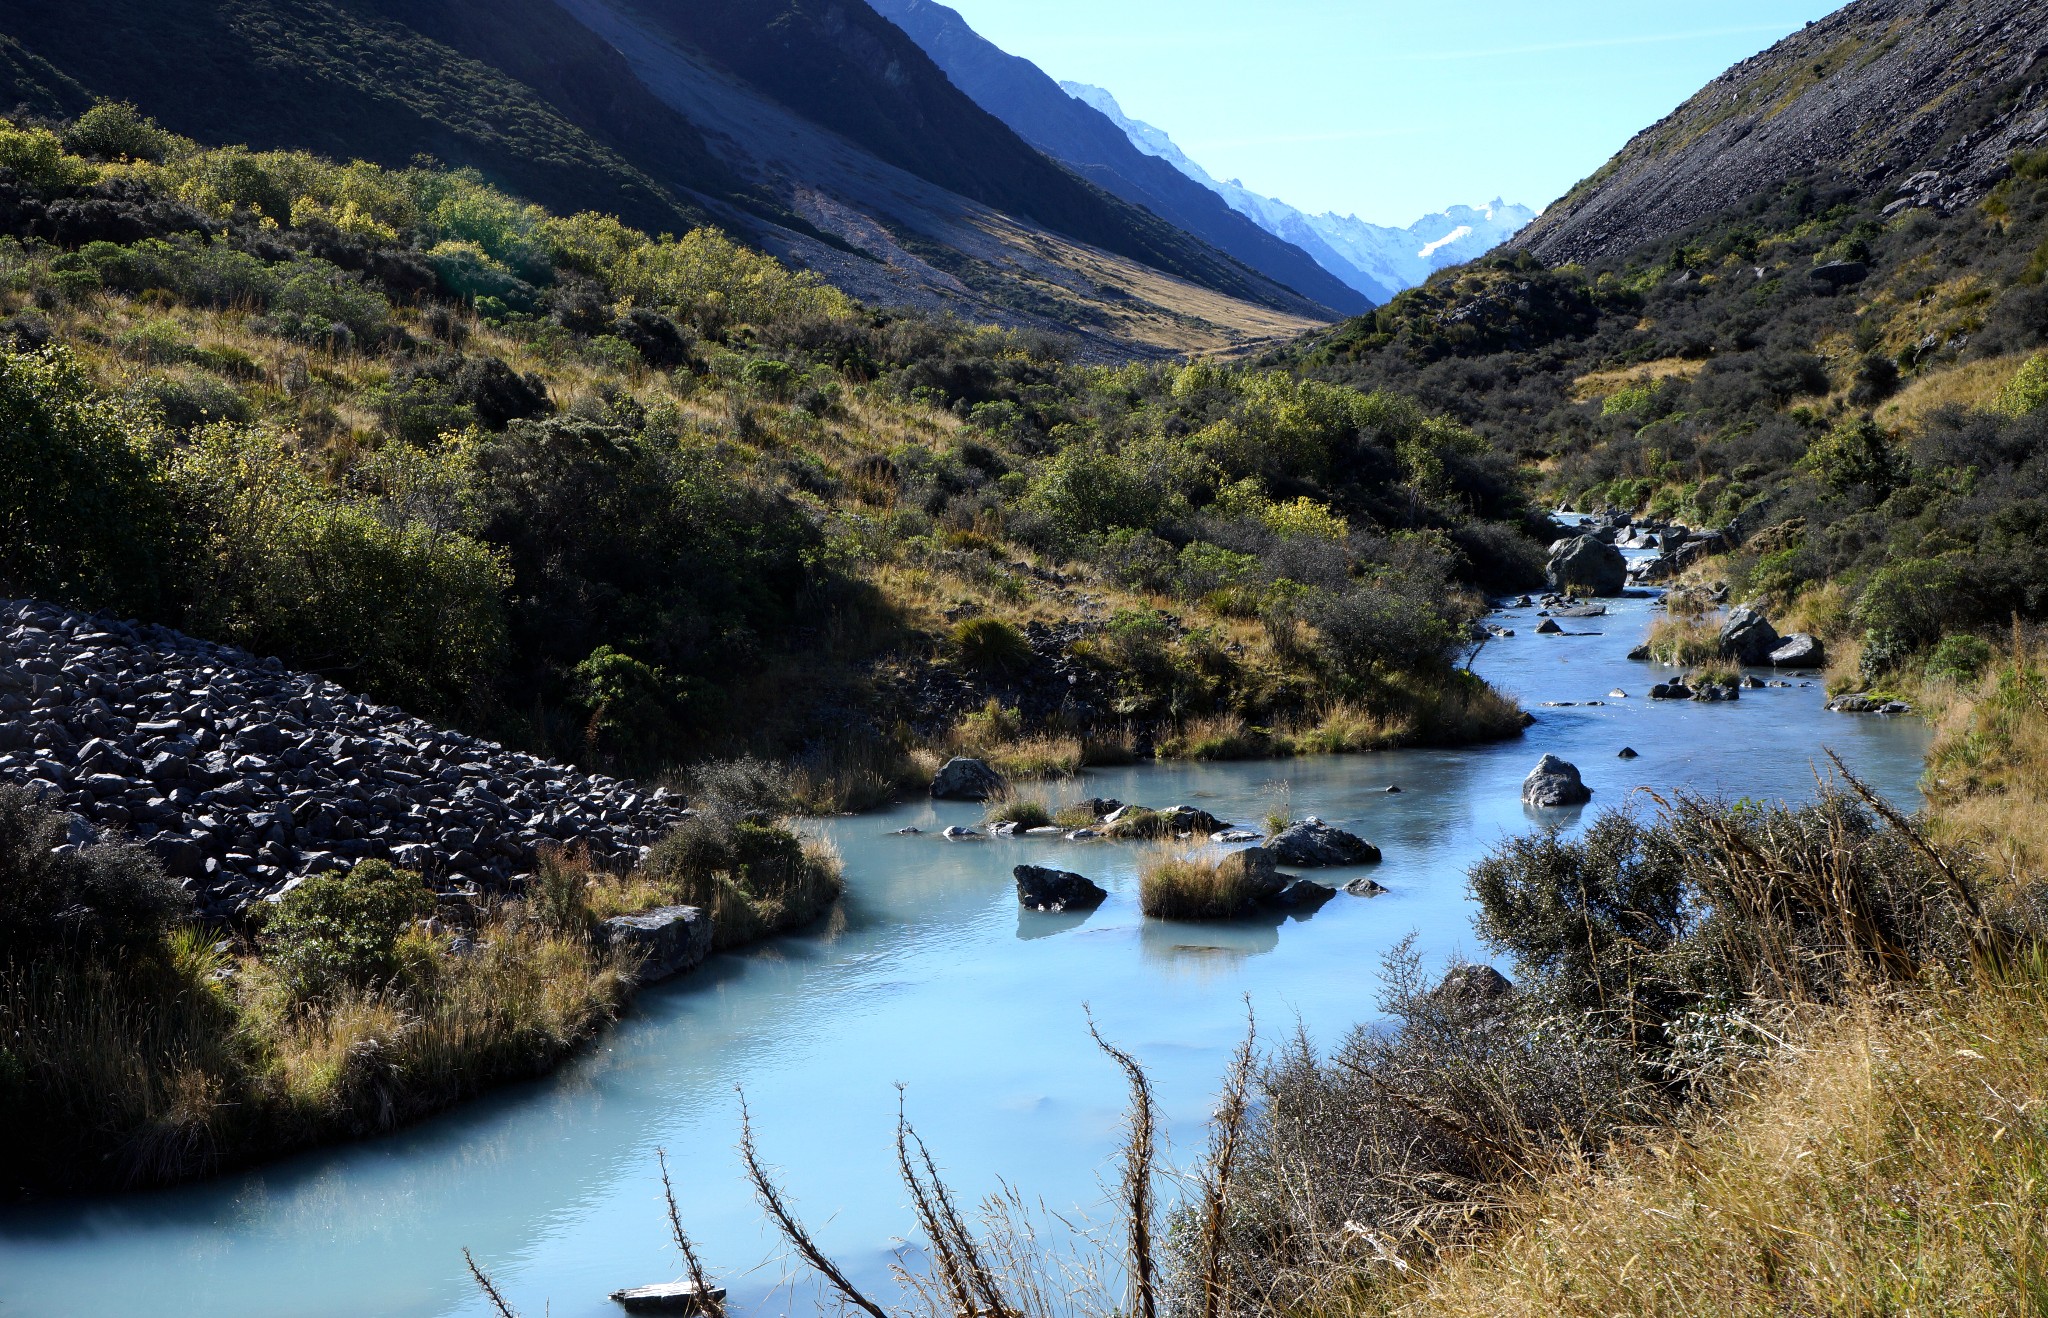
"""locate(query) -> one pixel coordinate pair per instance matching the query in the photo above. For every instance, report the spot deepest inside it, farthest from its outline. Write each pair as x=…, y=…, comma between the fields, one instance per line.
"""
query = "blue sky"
x=1389, y=110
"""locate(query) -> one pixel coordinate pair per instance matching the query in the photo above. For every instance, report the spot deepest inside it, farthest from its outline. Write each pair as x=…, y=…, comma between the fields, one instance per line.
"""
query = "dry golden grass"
x=1892, y=1163
x=1974, y=385
x=1988, y=772
x=1188, y=885
x=1596, y=385
x=1684, y=642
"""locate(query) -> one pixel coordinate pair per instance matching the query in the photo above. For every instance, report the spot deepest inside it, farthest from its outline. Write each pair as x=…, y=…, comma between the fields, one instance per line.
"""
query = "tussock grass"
x=1025, y=811
x=1189, y=885
x=1888, y=1162
x=1221, y=737
x=1684, y=642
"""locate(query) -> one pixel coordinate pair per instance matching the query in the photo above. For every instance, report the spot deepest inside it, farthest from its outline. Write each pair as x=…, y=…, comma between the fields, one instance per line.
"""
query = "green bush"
x=633, y=706
x=115, y=899
x=116, y=130
x=990, y=645
x=2027, y=391
x=84, y=513
x=1960, y=659
x=1858, y=454
x=340, y=931
x=1909, y=604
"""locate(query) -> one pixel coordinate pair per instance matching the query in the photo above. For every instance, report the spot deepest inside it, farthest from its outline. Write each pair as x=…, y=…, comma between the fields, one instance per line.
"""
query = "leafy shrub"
x=84, y=515
x=1858, y=454
x=116, y=130
x=990, y=645
x=94, y=897
x=1961, y=659
x=2027, y=391
x=633, y=706
x=754, y=878
x=1911, y=603
x=340, y=931
x=37, y=158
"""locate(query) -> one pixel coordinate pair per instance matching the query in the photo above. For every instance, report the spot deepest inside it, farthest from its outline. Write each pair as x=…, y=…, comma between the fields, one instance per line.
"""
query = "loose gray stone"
x=964, y=779
x=1313, y=844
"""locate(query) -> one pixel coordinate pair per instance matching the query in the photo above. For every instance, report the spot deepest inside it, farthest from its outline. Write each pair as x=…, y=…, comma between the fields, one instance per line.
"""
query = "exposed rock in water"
x=1041, y=889
x=1313, y=844
x=1671, y=691
x=1554, y=784
x=1863, y=704
x=1799, y=651
x=242, y=775
x=1257, y=869
x=1748, y=637
x=964, y=779
x=1363, y=887
x=1628, y=753
x=1549, y=627
x=959, y=834
x=1587, y=564
x=1303, y=894
x=665, y=942
x=1472, y=985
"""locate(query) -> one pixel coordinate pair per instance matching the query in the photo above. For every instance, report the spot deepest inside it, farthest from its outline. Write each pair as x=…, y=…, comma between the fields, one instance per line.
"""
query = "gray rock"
x=1549, y=627
x=1233, y=835
x=1041, y=889
x=1554, y=784
x=1364, y=887
x=1313, y=844
x=1258, y=869
x=1671, y=691
x=1748, y=637
x=1587, y=565
x=1799, y=651
x=1302, y=895
x=958, y=834
x=1628, y=753
x=964, y=779
x=661, y=943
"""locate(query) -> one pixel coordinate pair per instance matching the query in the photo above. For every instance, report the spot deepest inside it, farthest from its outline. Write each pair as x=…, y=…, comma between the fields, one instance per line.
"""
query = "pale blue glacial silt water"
x=931, y=977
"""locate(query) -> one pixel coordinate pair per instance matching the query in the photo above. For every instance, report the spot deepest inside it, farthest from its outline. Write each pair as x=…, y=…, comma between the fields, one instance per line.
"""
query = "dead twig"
x=778, y=1211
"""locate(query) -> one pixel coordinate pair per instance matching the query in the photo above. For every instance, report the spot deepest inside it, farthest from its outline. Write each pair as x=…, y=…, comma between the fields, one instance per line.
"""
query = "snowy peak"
x=1375, y=259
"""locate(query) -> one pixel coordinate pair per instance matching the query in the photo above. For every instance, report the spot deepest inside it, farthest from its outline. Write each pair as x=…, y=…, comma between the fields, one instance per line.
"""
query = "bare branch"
x=792, y=1230
x=707, y=1304
x=490, y=1289
x=1138, y=1152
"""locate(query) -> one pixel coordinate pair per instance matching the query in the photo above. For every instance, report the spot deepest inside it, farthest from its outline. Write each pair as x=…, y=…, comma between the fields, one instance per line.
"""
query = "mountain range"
x=1376, y=259
x=815, y=129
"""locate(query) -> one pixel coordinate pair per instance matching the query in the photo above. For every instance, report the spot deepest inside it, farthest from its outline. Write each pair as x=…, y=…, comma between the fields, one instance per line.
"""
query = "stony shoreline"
x=243, y=776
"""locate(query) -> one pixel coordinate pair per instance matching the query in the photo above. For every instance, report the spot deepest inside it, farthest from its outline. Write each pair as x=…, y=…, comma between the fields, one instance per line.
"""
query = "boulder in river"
x=1671, y=691
x=1553, y=784
x=1042, y=889
x=1364, y=887
x=1629, y=753
x=957, y=833
x=1747, y=636
x=1588, y=566
x=964, y=779
x=1303, y=895
x=1549, y=627
x=1313, y=844
x=664, y=942
x=1799, y=651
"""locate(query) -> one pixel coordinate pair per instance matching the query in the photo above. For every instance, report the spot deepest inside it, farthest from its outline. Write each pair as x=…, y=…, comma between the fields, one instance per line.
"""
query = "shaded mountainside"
x=1020, y=94
x=1921, y=101
x=820, y=132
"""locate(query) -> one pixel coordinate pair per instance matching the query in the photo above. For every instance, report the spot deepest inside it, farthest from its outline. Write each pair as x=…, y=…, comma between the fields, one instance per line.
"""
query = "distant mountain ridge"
x=1024, y=97
x=1373, y=258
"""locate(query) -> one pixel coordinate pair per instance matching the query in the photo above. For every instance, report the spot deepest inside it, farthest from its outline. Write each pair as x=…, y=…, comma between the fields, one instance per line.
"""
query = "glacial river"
x=929, y=977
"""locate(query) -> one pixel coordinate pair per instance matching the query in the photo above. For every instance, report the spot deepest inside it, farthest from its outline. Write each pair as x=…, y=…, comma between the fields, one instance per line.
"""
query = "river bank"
x=930, y=975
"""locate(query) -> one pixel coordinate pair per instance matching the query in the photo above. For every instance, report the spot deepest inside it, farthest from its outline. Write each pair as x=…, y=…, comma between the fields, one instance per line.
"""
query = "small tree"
x=341, y=931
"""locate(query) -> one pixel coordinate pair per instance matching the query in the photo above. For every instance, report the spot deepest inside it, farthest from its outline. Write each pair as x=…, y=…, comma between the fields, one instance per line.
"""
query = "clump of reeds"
x=1012, y=807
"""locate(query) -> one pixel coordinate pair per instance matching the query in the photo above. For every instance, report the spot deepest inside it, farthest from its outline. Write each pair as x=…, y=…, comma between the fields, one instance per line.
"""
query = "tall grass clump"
x=1684, y=642
x=1188, y=885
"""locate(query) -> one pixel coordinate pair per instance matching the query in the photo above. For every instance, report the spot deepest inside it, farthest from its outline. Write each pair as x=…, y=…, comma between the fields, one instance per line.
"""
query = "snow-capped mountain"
x=1372, y=258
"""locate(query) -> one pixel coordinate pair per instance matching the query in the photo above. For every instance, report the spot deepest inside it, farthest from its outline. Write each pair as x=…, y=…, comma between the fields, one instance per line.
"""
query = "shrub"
x=1911, y=603
x=340, y=931
x=754, y=878
x=1960, y=659
x=2027, y=391
x=84, y=513
x=116, y=130
x=1859, y=455
x=990, y=645
x=95, y=897
x=37, y=158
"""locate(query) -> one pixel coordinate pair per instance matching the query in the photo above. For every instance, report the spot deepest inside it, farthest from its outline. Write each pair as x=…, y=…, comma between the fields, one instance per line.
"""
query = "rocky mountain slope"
x=1924, y=101
x=1076, y=133
x=1376, y=259
x=816, y=130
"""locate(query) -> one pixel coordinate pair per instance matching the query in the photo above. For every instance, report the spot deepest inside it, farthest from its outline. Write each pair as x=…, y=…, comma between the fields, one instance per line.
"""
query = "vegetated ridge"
x=1920, y=102
x=666, y=122
x=1020, y=94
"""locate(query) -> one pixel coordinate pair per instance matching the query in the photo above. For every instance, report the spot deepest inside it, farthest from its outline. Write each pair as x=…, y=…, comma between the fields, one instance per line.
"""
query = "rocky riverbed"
x=243, y=776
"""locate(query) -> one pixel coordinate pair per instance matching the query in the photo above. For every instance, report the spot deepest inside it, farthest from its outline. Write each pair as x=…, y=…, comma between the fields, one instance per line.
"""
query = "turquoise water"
x=929, y=977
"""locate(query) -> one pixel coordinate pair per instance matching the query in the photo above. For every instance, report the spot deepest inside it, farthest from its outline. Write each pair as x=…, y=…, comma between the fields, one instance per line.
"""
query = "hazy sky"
x=1392, y=110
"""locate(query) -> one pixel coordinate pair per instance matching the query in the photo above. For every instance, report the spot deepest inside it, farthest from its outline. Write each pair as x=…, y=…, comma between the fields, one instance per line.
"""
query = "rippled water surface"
x=930, y=977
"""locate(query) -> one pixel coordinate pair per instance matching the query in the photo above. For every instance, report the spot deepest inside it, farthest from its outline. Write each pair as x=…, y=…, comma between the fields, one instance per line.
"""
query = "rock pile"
x=243, y=776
